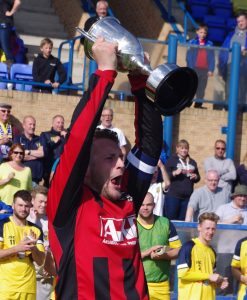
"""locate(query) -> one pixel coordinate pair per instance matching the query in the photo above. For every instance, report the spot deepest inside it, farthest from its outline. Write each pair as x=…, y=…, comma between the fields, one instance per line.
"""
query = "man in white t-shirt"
x=106, y=123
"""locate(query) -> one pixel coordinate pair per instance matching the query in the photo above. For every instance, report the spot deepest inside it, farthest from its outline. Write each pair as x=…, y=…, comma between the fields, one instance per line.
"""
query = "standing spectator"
x=45, y=66
x=6, y=133
x=52, y=141
x=224, y=166
x=101, y=12
x=37, y=215
x=159, y=188
x=196, y=263
x=235, y=212
x=242, y=171
x=201, y=59
x=7, y=11
x=183, y=173
x=34, y=152
x=106, y=123
x=14, y=175
x=159, y=243
x=206, y=198
x=21, y=244
x=93, y=199
x=225, y=57
x=239, y=267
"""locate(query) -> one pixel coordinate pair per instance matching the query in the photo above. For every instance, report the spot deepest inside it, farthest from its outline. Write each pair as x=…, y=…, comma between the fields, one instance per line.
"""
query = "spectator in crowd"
x=225, y=57
x=197, y=261
x=7, y=11
x=86, y=205
x=201, y=59
x=34, y=152
x=6, y=134
x=183, y=173
x=37, y=215
x=45, y=67
x=235, y=212
x=224, y=166
x=101, y=12
x=239, y=267
x=242, y=171
x=106, y=123
x=21, y=244
x=159, y=243
x=52, y=141
x=14, y=175
x=206, y=198
x=159, y=188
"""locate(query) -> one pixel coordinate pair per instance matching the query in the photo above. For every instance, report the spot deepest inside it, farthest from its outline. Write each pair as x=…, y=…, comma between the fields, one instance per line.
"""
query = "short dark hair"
x=202, y=26
x=24, y=195
x=211, y=216
x=240, y=14
x=106, y=134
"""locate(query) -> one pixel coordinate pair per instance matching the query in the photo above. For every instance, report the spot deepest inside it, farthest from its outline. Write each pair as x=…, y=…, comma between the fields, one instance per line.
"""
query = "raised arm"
x=65, y=190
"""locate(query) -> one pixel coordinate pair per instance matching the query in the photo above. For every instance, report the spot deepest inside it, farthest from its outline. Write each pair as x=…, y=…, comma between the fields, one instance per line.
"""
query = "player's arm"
x=143, y=158
x=65, y=191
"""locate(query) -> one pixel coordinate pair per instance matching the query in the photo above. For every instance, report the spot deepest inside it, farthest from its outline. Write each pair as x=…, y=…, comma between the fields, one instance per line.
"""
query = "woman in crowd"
x=183, y=173
x=14, y=176
x=242, y=171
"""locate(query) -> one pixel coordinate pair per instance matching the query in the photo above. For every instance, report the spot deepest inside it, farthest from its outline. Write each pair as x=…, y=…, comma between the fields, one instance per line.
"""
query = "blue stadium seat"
x=231, y=23
x=222, y=8
x=198, y=8
x=21, y=72
x=3, y=74
x=216, y=28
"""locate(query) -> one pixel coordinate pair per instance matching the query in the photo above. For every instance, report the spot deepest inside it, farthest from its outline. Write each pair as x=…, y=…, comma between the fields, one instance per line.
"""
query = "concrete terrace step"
x=30, y=16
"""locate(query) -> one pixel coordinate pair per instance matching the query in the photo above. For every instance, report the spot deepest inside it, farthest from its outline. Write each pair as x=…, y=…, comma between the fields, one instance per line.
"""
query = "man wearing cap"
x=6, y=134
x=235, y=212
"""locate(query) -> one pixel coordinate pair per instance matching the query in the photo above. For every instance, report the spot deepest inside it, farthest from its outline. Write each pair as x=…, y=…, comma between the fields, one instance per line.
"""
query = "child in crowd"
x=201, y=60
x=45, y=66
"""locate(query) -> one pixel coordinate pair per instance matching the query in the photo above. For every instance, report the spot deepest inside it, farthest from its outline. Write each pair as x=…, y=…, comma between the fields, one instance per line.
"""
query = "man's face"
x=4, y=114
x=206, y=231
x=39, y=204
x=147, y=208
x=220, y=149
x=242, y=22
x=58, y=124
x=182, y=151
x=46, y=50
x=101, y=9
x=29, y=125
x=240, y=201
x=106, y=118
x=105, y=169
x=212, y=181
x=21, y=208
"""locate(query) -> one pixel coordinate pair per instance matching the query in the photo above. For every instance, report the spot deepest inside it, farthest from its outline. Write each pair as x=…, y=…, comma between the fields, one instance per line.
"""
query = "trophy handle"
x=86, y=34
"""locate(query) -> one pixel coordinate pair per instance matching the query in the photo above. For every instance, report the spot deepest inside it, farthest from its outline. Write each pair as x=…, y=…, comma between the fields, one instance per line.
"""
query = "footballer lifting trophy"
x=170, y=87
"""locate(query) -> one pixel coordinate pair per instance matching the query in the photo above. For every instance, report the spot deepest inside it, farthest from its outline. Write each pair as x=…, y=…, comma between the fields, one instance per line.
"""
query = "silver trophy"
x=170, y=87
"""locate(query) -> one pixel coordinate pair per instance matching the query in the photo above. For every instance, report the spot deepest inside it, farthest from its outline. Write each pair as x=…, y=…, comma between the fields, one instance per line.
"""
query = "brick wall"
x=200, y=127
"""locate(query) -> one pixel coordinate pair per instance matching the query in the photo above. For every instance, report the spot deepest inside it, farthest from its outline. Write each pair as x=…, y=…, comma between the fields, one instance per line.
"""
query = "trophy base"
x=171, y=88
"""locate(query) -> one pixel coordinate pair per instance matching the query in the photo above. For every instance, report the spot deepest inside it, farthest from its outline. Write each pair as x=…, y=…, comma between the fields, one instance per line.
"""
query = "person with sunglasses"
x=14, y=175
x=224, y=166
x=6, y=130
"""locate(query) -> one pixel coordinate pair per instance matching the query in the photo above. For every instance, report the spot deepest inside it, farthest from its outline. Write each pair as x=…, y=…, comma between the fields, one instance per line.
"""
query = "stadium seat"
x=216, y=28
x=21, y=72
x=222, y=8
x=198, y=8
x=3, y=74
x=231, y=23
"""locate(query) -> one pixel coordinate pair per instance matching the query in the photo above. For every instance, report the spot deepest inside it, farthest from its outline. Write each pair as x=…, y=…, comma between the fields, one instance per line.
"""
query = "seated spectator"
x=201, y=60
x=6, y=133
x=34, y=152
x=206, y=198
x=235, y=212
x=242, y=171
x=106, y=123
x=183, y=173
x=224, y=166
x=45, y=66
x=53, y=142
x=158, y=189
x=14, y=175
